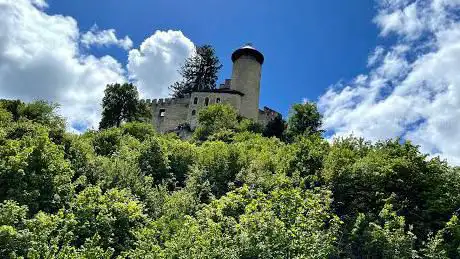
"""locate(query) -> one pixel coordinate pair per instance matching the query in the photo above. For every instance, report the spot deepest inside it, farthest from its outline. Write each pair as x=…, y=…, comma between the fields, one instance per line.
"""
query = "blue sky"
x=377, y=69
x=308, y=45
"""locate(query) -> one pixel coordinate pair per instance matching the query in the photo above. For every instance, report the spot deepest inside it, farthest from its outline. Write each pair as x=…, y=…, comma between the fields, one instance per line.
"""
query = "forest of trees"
x=234, y=190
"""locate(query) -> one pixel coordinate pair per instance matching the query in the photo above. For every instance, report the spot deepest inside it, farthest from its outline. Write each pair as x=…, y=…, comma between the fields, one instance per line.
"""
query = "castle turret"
x=247, y=67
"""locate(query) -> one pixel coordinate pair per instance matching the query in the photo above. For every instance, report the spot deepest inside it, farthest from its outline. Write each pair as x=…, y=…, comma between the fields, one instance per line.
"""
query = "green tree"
x=113, y=215
x=199, y=72
x=154, y=162
x=446, y=242
x=33, y=170
x=130, y=192
x=40, y=112
x=303, y=160
x=246, y=223
x=5, y=116
x=121, y=104
x=364, y=176
x=385, y=238
x=12, y=106
x=250, y=126
x=215, y=118
x=139, y=130
x=218, y=164
x=304, y=119
x=275, y=128
x=106, y=142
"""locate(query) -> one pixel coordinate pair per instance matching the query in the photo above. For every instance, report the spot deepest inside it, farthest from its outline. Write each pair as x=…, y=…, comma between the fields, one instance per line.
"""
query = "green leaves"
x=215, y=119
x=304, y=119
x=33, y=172
x=113, y=216
x=130, y=192
x=121, y=104
x=250, y=224
x=386, y=237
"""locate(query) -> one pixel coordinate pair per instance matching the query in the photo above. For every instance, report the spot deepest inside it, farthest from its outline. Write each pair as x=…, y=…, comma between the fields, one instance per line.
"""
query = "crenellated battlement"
x=242, y=92
x=170, y=101
x=269, y=112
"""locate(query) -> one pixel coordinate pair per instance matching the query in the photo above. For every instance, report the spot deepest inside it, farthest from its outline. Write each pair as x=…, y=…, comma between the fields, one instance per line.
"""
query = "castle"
x=241, y=91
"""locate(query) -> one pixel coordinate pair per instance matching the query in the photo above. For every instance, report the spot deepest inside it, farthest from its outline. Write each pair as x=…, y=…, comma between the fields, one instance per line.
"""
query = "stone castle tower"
x=241, y=91
x=246, y=75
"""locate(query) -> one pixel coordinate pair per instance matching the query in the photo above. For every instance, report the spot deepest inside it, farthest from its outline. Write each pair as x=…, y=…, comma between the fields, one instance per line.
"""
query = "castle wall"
x=246, y=79
x=241, y=91
x=169, y=113
x=228, y=98
x=266, y=115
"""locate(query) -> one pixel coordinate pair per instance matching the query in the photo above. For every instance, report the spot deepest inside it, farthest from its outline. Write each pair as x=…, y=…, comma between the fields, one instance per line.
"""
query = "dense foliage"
x=121, y=104
x=229, y=192
x=199, y=72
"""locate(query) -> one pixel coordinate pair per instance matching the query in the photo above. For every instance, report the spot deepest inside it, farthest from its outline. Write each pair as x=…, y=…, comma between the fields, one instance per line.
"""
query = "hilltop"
x=234, y=190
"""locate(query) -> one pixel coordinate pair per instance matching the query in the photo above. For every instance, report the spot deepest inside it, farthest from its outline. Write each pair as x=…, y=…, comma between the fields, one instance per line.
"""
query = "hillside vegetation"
x=235, y=190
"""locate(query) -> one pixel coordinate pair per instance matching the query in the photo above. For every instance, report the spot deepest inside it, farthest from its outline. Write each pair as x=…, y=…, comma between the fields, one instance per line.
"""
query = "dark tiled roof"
x=221, y=90
x=248, y=50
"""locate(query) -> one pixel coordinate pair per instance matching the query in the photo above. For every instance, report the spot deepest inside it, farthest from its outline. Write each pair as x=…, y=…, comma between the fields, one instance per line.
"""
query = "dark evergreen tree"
x=275, y=128
x=199, y=72
x=120, y=104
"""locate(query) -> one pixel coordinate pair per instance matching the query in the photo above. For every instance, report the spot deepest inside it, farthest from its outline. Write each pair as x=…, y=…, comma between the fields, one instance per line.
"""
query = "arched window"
x=218, y=100
x=195, y=100
x=193, y=113
x=206, y=101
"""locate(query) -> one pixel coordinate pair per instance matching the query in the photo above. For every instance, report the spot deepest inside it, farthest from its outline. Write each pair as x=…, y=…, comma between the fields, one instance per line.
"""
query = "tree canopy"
x=199, y=72
x=121, y=104
x=232, y=191
x=304, y=119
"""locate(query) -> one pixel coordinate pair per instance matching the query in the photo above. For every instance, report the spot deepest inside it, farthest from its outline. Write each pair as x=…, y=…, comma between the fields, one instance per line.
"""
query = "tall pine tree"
x=199, y=72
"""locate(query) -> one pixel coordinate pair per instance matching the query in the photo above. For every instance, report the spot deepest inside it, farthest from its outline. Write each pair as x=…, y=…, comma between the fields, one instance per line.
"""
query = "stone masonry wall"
x=174, y=113
x=266, y=115
x=229, y=98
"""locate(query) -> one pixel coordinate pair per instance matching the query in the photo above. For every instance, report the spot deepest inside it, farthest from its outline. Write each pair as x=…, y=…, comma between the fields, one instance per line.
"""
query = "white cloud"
x=40, y=3
x=376, y=55
x=40, y=58
x=413, y=88
x=105, y=38
x=155, y=64
x=404, y=21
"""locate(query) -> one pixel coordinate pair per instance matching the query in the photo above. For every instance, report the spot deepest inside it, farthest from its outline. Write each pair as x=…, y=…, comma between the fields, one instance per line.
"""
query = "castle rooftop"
x=248, y=49
x=221, y=90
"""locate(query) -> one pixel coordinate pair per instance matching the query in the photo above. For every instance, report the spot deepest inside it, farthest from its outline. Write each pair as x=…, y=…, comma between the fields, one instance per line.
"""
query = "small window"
x=162, y=112
x=193, y=113
x=218, y=100
x=195, y=100
x=206, y=101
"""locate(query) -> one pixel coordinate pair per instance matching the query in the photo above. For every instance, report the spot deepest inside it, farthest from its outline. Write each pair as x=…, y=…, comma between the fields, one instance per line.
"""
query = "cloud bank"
x=41, y=57
x=156, y=62
x=105, y=38
x=412, y=89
